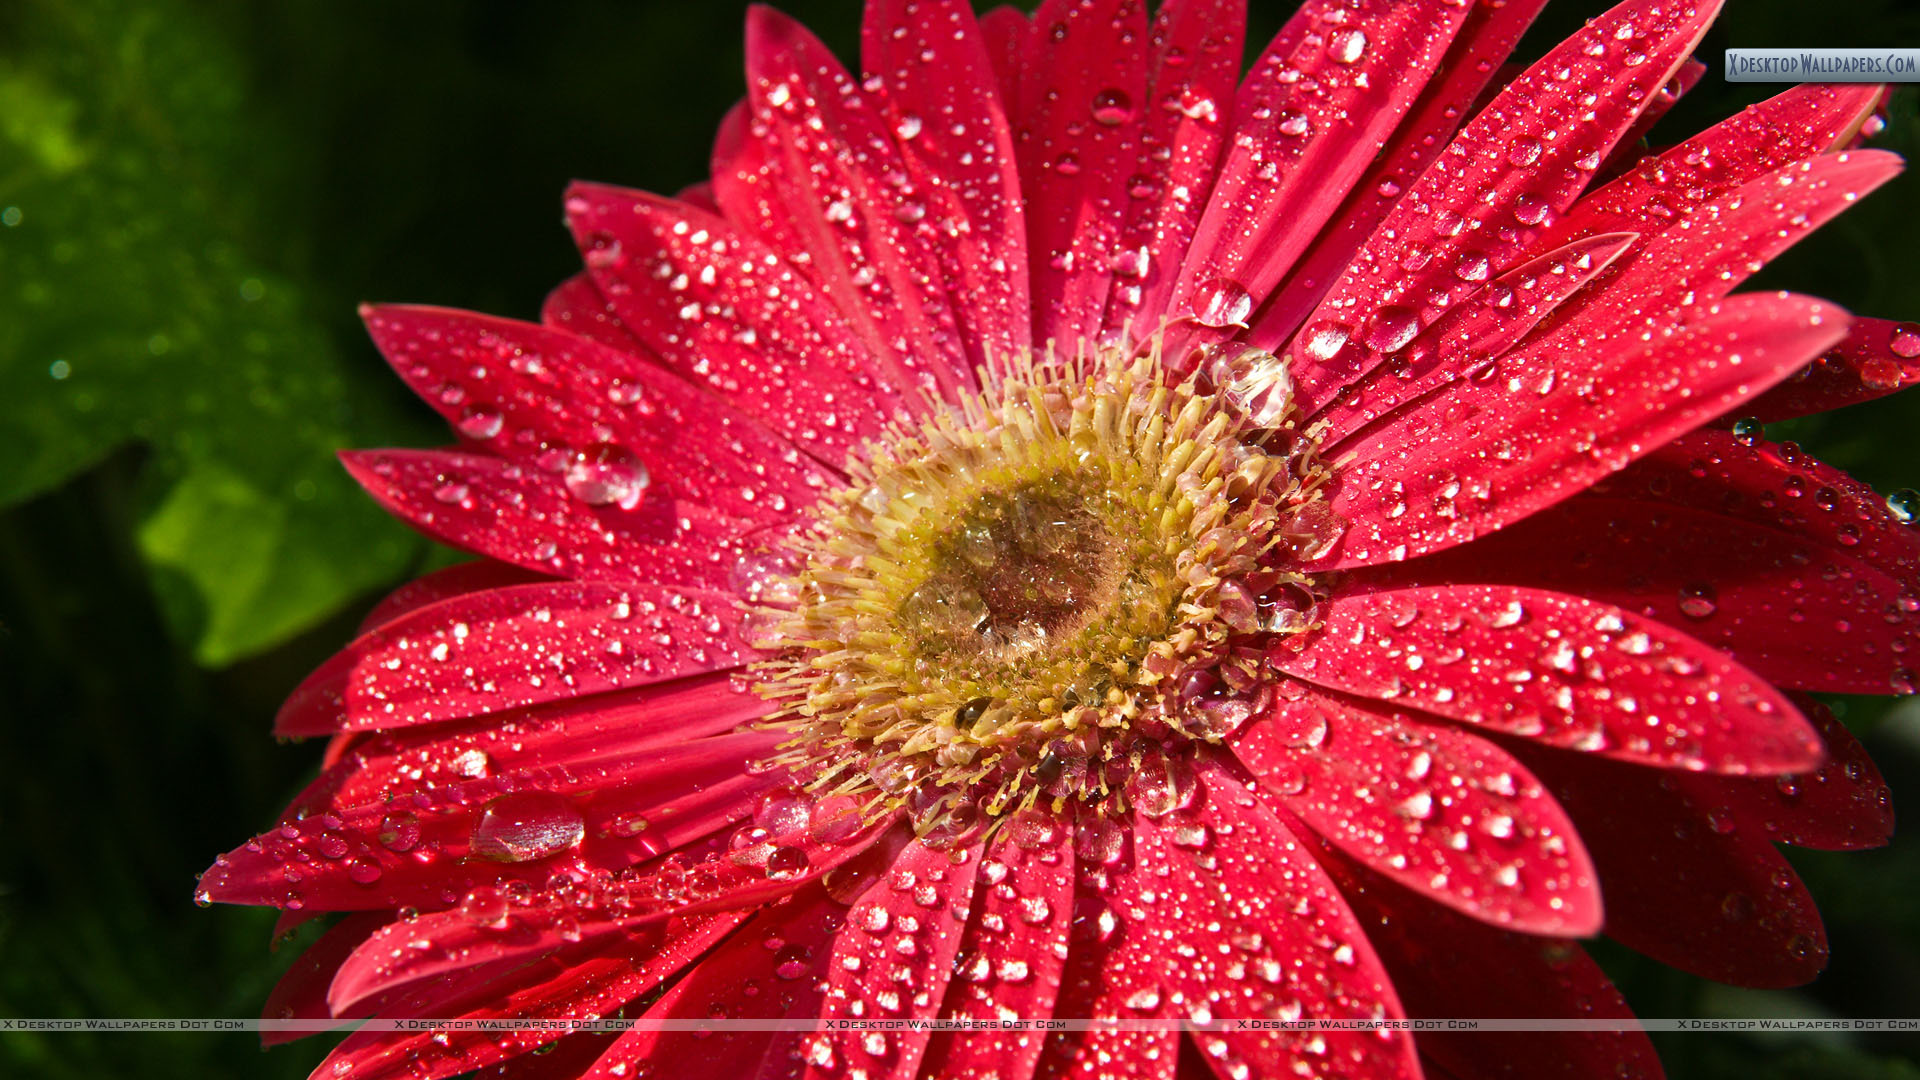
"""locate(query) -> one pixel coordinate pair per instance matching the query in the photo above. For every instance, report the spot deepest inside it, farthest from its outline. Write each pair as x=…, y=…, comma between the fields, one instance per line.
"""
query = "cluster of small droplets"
x=1048, y=591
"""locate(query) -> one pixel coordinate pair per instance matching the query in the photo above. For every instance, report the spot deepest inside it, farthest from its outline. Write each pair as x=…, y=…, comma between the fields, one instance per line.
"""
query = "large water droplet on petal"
x=527, y=825
x=607, y=475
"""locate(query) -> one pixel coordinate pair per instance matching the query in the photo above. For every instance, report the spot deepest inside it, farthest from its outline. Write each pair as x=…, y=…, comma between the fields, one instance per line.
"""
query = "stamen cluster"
x=1050, y=592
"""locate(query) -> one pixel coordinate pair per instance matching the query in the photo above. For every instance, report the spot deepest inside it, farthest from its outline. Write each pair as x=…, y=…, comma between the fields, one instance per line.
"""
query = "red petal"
x=301, y=994
x=546, y=398
x=1247, y=924
x=774, y=968
x=1012, y=958
x=1484, y=453
x=1666, y=189
x=1485, y=199
x=1723, y=905
x=815, y=173
x=577, y=307
x=939, y=72
x=558, y=989
x=896, y=959
x=387, y=766
x=1006, y=30
x=1310, y=117
x=507, y=648
x=717, y=877
x=1112, y=970
x=1699, y=538
x=1444, y=966
x=1631, y=148
x=1197, y=45
x=1468, y=340
x=1843, y=805
x=1486, y=37
x=521, y=515
x=1085, y=87
x=1558, y=669
x=1444, y=812
x=459, y=580
x=431, y=848
x=1877, y=357
x=727, y=312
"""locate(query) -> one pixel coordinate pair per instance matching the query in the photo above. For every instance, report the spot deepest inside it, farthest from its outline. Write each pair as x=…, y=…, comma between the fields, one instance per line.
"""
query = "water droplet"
x=480, y=422
x=1904, y=504
x=399, y=831
x=1223, y=302
x=908, y=127
x=1347, y=45
x=1392, y=328
x=1748, y=431
x=1524, y=151
x=1698, y=601
x=1111, y=107
x=527, y=825
x=1905, y=341
x=485, y=906
x=607, y=475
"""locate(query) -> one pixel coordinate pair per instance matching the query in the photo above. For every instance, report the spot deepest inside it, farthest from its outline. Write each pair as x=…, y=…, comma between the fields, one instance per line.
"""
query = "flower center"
x=1048, y=591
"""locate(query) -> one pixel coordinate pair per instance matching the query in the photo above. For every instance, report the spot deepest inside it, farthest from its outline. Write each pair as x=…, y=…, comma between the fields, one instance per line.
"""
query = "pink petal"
x=1247, y=924
x=815, y=173
x=576, y=412
x=1195, y=65
x=935, y=66
x=1487, y=36
x=1692, y=894
x=1499, y=183
x=1446, y=966
x=1443, y=812
x=1557, y=669
x=1468, y=340
x=1844, y=805
x=1077, y=141
x=577, y=307
x=1797, y=570
x=1485, y=453
x=896, y=959
x=1877, y=357
x=1014, y=952
x=508, y=648
x=728, y=313
x=458, y=580
x=1309, y=119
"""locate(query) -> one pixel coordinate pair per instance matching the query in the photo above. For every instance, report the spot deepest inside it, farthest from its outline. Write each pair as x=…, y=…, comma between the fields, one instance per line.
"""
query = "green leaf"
x=144, y=297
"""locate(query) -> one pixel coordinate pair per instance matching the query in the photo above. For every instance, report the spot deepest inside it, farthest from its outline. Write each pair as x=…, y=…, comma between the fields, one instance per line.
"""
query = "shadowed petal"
x=1877, y=357
x=1716, y=902
x=1447, y=966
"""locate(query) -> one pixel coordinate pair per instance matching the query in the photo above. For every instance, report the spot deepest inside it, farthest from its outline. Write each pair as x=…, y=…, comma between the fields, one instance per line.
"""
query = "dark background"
x=193, y=197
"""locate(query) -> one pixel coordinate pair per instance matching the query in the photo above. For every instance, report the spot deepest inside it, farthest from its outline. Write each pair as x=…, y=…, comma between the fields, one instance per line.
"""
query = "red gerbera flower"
x=1058, y=528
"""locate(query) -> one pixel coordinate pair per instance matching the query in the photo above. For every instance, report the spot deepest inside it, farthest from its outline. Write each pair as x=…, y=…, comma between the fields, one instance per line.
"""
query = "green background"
x=193, y=197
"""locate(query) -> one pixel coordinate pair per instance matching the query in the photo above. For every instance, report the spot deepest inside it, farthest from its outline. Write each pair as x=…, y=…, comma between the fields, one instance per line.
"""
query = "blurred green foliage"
x=194, y=194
